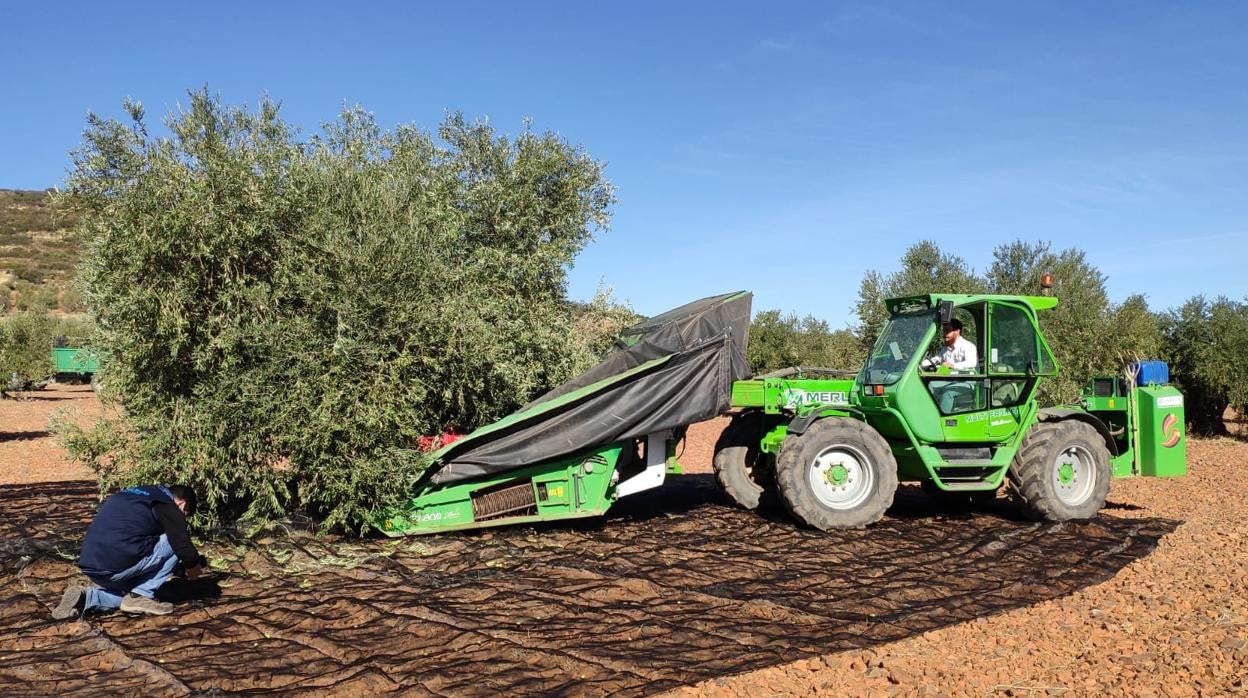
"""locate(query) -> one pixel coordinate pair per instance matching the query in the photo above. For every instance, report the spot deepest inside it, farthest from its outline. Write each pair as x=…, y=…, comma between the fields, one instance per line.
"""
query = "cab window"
x=962, y=389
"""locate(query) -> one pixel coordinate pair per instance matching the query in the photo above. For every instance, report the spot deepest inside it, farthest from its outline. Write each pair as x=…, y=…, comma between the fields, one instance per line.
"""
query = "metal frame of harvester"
x=836, y=445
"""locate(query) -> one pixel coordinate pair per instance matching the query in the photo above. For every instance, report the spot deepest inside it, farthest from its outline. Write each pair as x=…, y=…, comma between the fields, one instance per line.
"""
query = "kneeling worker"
x=132, y=547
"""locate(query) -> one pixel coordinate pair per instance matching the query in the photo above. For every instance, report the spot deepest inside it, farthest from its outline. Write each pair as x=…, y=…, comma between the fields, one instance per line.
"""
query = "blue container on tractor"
x=1152, y=373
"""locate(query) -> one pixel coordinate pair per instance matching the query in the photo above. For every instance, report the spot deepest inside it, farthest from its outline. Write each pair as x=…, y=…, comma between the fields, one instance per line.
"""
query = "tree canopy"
x=779, y=341
x=286, y=316
x=1207, y=347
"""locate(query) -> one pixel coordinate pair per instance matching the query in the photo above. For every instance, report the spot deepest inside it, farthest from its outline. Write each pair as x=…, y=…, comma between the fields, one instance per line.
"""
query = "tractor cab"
x=956, y=368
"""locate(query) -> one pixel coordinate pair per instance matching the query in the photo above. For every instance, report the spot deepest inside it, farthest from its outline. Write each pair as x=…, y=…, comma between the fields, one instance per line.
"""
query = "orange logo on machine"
x=1169, y=427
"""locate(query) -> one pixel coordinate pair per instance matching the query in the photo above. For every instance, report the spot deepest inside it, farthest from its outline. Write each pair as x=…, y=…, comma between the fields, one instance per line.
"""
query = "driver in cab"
x=958, y=353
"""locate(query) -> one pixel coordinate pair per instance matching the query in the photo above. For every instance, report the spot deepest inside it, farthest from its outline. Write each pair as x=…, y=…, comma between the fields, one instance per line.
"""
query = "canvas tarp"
x=668, y=371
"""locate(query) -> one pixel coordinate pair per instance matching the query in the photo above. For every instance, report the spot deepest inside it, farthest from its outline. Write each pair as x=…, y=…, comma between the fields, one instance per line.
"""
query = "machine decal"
x=796, y=397
x=981, y=416
x=1170, y=427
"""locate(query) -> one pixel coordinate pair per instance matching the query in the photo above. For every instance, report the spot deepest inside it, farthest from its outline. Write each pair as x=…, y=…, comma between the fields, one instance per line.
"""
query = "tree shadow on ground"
x=674, y=587
x=1123, y=506
x=22, y=435
x=182, y=591
x=52, y=398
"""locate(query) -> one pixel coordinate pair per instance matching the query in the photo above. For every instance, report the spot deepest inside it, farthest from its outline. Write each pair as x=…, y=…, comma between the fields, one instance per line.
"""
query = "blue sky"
x=784, y=150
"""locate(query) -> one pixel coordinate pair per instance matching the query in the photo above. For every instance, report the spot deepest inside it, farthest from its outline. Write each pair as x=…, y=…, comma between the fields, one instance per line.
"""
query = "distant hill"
x=37, y=253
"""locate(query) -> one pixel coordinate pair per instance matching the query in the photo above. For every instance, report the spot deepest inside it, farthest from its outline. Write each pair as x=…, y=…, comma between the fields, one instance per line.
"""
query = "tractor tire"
x=738, y=460
x=840, y=473
x=1061, y=472
x=958, y=501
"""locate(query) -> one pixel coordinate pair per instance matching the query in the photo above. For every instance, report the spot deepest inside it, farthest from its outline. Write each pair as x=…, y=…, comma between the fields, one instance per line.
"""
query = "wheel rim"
x=1074, y=475
x=841, y=477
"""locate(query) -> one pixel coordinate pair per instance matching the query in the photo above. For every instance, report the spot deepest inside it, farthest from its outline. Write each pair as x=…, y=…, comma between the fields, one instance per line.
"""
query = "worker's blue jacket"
x=126, y=528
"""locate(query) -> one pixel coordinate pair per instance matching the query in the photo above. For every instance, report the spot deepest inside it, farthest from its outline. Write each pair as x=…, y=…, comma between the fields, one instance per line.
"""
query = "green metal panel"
x=1104, y=397
x=748, y=393
x=805, y=395
x=773, y=439
x=1163, y=445
x=566, y=489
x=791, y=395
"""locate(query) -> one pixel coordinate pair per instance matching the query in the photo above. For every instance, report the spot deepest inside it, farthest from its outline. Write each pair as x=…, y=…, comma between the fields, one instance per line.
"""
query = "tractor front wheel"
x=1061, y=472
x=739, y=461
x=839, y=473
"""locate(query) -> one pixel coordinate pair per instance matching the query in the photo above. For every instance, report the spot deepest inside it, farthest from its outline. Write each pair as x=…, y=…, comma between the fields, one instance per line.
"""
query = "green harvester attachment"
x=609, y=433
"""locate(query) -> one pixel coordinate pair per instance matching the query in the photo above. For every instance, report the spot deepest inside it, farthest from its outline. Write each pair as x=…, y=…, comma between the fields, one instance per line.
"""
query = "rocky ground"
x=1172, y=623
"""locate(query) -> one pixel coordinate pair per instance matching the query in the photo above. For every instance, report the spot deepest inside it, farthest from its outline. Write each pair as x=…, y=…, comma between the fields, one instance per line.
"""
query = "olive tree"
x=287, y=315
x=1088, y=333
x=1207, y=348
x=779, y=340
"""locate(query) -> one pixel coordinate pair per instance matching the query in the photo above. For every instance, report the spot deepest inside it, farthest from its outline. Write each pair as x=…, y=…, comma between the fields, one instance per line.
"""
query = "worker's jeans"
x=143, y=579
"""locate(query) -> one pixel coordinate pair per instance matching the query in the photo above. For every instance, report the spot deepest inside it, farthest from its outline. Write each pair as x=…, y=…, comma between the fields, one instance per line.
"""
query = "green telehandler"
x=836, y=448
x=835, y=444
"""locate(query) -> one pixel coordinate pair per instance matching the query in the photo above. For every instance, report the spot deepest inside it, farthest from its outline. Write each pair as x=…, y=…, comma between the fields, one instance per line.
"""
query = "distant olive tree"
x=1088, y=333
x=26, y=341
x=286, y=316
x=779, y=341
x=925, y=268
x=1206, y=344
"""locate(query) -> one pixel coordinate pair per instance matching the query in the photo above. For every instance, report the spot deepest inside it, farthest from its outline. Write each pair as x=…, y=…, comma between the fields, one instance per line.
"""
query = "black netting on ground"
x=674, y=587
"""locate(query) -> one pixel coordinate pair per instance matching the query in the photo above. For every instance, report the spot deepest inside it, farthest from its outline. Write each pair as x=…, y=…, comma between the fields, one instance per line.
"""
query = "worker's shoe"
x=72, y=602
x=141, y=604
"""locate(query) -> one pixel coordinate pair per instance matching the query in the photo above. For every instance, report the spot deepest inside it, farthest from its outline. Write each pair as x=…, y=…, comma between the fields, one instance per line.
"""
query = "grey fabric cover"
x=698, y=351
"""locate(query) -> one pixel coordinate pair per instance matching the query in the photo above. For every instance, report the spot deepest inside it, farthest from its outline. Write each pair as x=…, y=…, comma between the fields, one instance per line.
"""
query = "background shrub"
x=26, y=341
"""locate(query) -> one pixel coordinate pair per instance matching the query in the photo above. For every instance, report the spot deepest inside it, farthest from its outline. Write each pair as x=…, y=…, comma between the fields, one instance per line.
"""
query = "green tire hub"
x=1074, y=475
x=837, y=475
x=1066, y=474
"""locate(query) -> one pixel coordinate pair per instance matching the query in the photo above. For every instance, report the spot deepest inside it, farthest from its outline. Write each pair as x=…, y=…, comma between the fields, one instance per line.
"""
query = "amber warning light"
x=1046, y=281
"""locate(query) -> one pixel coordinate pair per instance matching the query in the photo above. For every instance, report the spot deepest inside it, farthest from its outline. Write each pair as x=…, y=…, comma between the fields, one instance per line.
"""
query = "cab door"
x=961, y=396
x=986, y=404
x=1017, y=356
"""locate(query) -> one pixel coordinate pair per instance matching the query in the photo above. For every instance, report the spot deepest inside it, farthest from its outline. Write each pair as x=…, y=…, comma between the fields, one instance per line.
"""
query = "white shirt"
x=961, y=354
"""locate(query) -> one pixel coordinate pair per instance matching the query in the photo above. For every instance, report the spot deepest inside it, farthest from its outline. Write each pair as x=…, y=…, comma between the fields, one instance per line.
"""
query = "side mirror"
x=945, y=310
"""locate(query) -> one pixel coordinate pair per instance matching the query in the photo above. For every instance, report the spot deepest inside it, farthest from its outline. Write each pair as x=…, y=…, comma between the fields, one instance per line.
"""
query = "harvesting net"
x=669, y=590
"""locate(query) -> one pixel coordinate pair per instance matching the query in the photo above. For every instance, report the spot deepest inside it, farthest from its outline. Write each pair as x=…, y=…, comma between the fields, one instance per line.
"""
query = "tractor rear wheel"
x=739, y=461
x=839, y=473
x=1061, y=472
